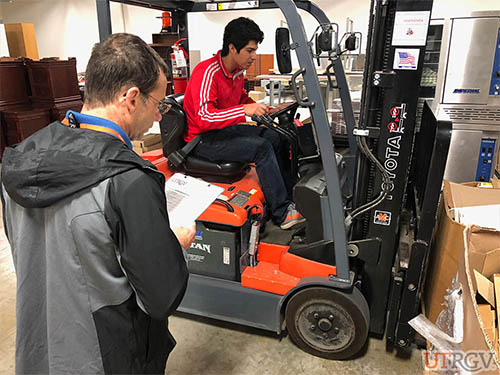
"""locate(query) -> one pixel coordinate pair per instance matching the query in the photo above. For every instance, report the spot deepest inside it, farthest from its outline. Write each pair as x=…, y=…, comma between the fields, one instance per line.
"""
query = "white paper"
x=187, y=198
x=410, y=28
x=484, y=216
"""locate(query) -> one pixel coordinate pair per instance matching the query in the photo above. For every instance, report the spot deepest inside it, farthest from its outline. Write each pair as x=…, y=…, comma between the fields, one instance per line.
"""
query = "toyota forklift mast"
x=399, y=228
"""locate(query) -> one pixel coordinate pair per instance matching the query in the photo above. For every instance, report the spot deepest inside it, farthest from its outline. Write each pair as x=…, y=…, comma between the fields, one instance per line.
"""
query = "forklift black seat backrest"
x=173, y=125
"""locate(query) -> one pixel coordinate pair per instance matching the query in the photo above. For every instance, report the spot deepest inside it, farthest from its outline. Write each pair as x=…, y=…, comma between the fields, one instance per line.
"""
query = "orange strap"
x=96, y=128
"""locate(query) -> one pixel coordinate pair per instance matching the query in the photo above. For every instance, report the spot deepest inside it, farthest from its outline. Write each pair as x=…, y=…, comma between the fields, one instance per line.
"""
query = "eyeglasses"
x=163, y=106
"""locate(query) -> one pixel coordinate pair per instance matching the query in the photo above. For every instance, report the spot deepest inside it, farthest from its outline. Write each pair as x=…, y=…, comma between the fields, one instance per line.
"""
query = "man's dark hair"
x=240, y=32
x=120, y=61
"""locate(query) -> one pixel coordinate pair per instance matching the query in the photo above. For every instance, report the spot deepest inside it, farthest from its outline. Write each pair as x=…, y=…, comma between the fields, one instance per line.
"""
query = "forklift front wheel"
x=328, y=323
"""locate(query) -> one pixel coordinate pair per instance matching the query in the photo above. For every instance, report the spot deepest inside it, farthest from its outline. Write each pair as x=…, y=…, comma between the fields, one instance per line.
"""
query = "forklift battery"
x=219, y=250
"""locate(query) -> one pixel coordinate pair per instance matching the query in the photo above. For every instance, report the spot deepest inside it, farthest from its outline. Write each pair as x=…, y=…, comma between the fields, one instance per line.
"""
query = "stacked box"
x=148, y=143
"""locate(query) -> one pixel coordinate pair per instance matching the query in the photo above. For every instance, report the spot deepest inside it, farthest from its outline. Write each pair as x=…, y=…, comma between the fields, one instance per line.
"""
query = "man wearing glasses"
x=99, y=270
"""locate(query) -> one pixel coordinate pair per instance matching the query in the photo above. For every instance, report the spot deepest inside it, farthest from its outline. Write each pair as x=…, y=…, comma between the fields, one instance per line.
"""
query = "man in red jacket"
x=216, y=103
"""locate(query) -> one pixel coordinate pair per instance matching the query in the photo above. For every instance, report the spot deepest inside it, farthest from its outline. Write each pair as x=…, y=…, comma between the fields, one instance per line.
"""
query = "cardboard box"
x=147, y=140
x=147, y=143
x=21, y=40
x=142, y=150
x=468, y=329
x=448, y=246
x=481, y=255
x=257, y=95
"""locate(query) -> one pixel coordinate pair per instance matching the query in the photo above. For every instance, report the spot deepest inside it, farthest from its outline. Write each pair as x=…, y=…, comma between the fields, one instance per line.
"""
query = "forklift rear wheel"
x=328, y=323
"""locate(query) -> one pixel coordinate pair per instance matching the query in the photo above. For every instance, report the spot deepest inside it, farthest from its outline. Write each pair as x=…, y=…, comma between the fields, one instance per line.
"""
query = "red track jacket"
x=214, y=98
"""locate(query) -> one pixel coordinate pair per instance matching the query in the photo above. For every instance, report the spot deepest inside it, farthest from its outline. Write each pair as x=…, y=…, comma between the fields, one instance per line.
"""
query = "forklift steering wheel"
x=286, y=107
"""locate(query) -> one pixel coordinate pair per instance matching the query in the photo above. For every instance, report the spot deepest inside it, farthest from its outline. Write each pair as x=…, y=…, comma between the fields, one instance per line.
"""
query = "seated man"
x=216, y=103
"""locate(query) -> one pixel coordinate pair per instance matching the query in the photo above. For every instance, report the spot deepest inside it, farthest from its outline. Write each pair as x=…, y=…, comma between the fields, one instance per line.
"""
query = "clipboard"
x=187, y=198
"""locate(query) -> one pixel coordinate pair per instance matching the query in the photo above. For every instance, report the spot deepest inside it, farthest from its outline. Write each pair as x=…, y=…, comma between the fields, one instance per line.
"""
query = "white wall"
x=4, y=48
x=450, y=8
x=139, y=21
x=69, y=27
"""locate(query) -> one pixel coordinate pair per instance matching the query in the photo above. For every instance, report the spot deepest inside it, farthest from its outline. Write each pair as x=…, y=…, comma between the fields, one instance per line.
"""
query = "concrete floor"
x=207, y=346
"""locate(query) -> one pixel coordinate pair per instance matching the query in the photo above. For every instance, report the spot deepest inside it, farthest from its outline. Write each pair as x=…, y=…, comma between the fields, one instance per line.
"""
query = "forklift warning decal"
x=382, y=218
x=398, y=116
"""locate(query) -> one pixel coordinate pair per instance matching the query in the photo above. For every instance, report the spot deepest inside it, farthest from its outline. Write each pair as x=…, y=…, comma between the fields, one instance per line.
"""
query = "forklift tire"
x=328, y=323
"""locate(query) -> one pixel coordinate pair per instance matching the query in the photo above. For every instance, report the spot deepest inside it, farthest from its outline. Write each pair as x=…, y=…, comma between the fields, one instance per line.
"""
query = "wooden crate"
x=14, y=87
x=21, y=122
x=53, y=81
x=58, y=111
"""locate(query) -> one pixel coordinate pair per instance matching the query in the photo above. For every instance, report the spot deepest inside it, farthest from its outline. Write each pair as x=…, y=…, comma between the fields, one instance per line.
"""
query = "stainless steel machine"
x=468, y=91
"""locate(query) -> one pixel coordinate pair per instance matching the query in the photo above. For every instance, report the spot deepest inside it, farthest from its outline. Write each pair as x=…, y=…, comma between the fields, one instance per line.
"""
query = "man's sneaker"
x=292, y=217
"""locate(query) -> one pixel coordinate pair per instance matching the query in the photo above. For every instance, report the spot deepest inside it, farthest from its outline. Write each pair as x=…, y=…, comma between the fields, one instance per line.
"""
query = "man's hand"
x=185, y=235
x=255, y=109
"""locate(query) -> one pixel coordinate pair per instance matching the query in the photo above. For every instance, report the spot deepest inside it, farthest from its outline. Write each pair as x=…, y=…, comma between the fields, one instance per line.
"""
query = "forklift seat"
x=172, y=126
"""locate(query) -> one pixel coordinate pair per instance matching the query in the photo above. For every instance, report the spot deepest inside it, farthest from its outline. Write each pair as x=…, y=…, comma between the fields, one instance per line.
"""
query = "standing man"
x=98, y=268
x=216, y=103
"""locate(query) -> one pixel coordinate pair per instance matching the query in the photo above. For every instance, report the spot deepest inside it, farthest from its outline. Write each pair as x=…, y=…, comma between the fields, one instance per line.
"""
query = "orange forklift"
x=357, y=265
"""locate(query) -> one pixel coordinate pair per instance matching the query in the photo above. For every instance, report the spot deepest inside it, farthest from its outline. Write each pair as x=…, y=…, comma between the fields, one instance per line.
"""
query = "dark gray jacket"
x=98, y=268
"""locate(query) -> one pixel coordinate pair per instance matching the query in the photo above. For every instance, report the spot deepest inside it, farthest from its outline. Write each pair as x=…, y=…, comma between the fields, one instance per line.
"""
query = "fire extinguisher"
x=179, y=59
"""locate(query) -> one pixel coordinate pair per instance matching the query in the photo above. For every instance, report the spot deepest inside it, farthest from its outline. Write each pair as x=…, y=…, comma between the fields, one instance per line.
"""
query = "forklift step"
x=278, y=271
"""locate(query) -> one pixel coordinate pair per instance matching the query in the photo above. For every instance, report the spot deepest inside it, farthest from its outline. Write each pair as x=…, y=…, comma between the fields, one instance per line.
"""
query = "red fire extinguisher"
x=179, y=59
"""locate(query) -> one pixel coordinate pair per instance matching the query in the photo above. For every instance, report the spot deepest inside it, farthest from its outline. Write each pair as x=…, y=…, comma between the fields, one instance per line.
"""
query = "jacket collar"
x=233, y=75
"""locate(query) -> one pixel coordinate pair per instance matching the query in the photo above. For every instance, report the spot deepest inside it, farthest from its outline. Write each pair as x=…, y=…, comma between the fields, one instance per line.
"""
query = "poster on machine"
x=410, y=28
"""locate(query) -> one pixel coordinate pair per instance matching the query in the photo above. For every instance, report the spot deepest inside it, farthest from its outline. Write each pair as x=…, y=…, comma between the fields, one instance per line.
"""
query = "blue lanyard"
x=75, y=119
